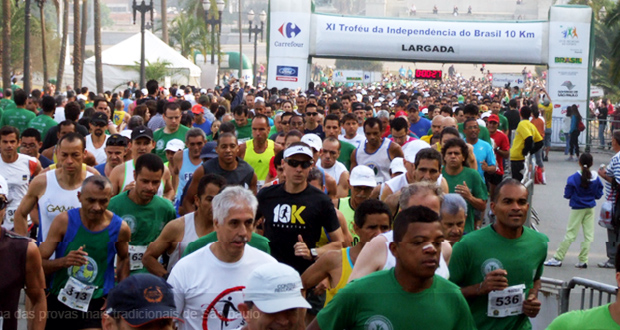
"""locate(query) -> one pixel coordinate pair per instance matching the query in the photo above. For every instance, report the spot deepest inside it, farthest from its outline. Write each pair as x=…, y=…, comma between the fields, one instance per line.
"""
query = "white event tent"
x=118, y=62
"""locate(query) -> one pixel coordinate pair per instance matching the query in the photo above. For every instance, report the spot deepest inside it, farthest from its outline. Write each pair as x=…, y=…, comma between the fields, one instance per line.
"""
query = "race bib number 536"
x=507, y=302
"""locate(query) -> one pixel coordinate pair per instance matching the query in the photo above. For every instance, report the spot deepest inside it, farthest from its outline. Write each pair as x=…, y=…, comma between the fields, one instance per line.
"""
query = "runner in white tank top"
x=379, y=161
x=17, y=175
x=129, y=169
x=99, y=154
x=189, y=235
x=390, y=261
x=54, y=201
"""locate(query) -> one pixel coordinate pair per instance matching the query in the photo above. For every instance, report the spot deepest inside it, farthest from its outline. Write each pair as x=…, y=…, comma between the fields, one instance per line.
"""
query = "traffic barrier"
x=555, y=297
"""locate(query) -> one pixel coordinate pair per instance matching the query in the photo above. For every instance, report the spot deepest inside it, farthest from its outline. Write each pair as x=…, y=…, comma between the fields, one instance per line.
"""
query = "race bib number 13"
x=507, y=302
x=76, y=294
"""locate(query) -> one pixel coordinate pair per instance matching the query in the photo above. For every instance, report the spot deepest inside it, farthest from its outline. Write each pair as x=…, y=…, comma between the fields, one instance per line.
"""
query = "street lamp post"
x=214, y=22
x=143, y=8
x=256, y=30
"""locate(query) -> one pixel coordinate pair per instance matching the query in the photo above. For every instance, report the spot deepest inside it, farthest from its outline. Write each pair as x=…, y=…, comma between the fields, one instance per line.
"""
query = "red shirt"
x=501, y=141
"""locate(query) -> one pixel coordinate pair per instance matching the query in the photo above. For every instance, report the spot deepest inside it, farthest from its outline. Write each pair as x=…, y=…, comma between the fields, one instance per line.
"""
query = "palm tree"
x=63, y=46
x=77, y=48
x=84, y=30
x=41, y=4
x=184, y=32
x=98, y=64
x=6, y=43
x=164, y=21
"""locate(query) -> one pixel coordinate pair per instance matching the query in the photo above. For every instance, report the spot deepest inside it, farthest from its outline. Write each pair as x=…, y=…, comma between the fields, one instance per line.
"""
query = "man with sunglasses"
x=295, y=212
x=313, y=122
x=96, y=140
x=17, y=168
x=115, y=150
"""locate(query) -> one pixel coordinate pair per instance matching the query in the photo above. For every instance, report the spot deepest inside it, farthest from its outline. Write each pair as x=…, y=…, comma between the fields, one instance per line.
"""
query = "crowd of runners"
x=397, y=205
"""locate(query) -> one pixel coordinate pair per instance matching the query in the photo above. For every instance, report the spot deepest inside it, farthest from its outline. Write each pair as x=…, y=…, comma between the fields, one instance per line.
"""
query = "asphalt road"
x=554, y=211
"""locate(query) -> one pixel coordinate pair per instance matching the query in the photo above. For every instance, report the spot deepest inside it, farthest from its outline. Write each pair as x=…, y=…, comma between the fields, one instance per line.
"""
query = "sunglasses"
x=304, y=164
x=312, y=114
x=99, y=124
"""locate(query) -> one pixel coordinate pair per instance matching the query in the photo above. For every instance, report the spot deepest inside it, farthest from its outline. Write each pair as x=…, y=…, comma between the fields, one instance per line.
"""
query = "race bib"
x=76, y=294
x=507, y=302
x=260, y=184
x=9, y=218
x=136, y=252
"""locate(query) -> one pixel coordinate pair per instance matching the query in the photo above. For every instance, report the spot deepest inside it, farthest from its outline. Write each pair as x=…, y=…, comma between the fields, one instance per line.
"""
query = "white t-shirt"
x=358, y=141
x=204, y=285
x=100, y=155
x=334, y=171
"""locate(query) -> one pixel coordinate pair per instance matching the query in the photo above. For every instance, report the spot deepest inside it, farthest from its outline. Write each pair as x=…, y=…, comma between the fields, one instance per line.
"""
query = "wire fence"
x=596, y=136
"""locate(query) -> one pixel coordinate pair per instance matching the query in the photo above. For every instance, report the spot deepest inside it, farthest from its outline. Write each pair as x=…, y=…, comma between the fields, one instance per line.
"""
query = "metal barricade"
x=555, y=297
x=589, y=288
x=600, y=133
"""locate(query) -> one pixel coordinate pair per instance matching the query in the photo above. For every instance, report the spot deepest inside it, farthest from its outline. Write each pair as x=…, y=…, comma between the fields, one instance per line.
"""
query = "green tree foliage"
x=157, y=70
x=17, y=39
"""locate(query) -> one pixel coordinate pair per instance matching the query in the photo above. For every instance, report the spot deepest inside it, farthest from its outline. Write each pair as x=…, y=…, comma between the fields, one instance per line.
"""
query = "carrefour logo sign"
x=289, y=30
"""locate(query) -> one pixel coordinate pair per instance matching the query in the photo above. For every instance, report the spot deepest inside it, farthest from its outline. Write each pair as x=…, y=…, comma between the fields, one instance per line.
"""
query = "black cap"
x=116, y=140
x=141, y=131
x=142, y=298
x=99, y=117
x=412, y=106
x=357, y=106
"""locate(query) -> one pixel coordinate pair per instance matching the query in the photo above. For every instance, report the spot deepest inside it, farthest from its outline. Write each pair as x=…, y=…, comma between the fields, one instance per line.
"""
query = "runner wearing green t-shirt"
x=463, y=180
x=45, y=121
x=243, y=125
x=144, y=211
x=331, y=128
x=411, y=296
x=172, y=130
x=18, y=117
x=501, y=283
x=503, y=121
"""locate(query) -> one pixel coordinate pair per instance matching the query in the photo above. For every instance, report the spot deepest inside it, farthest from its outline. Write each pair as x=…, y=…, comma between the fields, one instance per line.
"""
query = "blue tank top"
x=101, y=250
x=185, y=173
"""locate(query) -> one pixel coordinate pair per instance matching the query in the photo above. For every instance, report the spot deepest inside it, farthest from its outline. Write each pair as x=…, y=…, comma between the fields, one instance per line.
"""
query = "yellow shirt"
x=524, y=130
x=347, y=268
x=53, y=167
x=118, y=117
x=548, y=113
x=427, y=138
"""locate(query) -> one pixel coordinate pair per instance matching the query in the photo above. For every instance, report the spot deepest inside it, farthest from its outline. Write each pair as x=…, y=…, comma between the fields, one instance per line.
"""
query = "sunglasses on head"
x=304, y=164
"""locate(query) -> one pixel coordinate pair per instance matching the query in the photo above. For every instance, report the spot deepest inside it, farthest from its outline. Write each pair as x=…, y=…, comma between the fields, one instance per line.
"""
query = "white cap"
x=313, y=140
x=362, y=175
x=274, y=288
x=180, y=92
x=410, y=150
x=398, y=165
x=359, y=97
x=175, y=145
x=126, y=133
x=203, y=91
x=378, y=104
x=144, y=91
x=298, y=150
x=259, y=99
x=4, y=187
x=485, y=114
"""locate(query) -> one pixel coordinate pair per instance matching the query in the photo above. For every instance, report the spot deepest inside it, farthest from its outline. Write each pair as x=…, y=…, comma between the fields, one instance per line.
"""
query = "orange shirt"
x=540, y=125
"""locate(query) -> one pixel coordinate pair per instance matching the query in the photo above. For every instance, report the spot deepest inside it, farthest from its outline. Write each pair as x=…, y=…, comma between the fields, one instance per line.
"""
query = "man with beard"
x=95, y=141
x=235, y=170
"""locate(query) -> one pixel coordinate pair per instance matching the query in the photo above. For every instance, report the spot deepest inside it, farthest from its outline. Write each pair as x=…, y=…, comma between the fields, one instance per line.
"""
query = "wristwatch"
x=313, y=253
